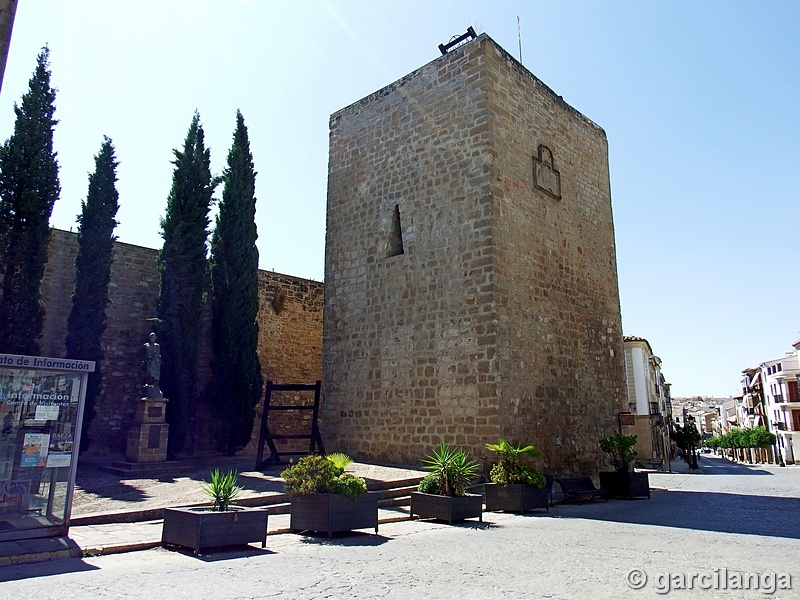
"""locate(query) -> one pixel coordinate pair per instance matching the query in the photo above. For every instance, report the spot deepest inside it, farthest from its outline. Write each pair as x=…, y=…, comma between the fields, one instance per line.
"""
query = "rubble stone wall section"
x=289, y=341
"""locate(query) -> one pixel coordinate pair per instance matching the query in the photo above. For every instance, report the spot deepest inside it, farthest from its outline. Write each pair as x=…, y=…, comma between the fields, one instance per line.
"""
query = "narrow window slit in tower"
x=396, y=235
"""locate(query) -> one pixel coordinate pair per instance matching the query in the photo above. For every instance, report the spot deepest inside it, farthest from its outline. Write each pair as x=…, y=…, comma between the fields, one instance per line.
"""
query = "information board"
x=41, y=406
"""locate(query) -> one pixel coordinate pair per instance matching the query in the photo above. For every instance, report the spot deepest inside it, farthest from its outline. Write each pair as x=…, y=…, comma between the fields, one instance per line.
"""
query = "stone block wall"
x=290, y=351
x=560, y=355
x=289, y=340
x=133, y=295
x=471, y=291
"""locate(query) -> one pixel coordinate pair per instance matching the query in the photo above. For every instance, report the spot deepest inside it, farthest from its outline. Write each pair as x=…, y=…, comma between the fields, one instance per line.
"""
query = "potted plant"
x=220, y=524
x=514, y=486
x=325, y=498
x=442, y=494
x=623, y=482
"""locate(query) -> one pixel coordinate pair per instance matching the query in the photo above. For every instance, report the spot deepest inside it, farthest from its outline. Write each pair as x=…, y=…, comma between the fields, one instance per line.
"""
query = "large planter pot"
x=331, y=513
x=517, y=497
x=199, y=528
x=625, y=485
x=447, y=508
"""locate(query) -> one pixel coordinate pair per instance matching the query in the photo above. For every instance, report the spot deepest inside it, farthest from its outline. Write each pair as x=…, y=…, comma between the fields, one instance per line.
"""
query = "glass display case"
x=41, y=407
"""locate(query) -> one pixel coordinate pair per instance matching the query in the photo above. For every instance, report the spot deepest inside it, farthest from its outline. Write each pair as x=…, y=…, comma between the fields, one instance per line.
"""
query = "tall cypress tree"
x=184, y=276
x=236, y=387
x=29, y=188
x=87, y=320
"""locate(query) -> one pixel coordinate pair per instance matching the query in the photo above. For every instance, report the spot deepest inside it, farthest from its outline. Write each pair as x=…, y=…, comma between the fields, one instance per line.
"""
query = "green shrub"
x=521, y=474
x=350, y=485
x=316, y=474
x=510, y=468
x=620, y=449
x=429, y=484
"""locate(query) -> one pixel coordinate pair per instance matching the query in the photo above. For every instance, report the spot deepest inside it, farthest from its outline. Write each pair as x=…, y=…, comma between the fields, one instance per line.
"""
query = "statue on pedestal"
x=152, y=365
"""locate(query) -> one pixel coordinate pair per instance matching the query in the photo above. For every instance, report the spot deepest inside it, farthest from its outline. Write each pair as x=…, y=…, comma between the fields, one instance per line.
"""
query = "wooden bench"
x=577, y=488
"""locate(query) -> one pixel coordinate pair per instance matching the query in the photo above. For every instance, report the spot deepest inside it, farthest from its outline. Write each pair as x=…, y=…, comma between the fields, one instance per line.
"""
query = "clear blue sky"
x=699, y=100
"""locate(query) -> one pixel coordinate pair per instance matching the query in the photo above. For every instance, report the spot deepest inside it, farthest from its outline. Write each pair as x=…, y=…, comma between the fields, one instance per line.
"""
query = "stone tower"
x=470, y=269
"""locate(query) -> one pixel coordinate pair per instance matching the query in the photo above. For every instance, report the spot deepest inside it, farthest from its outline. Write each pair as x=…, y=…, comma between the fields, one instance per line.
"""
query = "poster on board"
x=34, y=450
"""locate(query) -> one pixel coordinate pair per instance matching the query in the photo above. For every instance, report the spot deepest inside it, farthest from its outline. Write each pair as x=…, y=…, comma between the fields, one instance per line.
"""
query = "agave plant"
x=452, y=471
x=222, y=489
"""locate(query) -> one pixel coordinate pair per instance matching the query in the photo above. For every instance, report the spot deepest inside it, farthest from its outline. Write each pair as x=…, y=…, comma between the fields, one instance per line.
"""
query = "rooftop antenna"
x=519, y=36
x=458, y=40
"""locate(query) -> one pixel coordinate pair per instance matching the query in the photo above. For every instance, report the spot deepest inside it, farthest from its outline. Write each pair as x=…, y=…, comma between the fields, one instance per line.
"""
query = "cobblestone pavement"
x=717, y=524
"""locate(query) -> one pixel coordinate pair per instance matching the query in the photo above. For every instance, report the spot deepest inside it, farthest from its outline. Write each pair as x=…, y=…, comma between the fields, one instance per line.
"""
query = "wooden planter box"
x=331, y=513
x=517, y=497
x=447, y=508
x=625, y=485
x=199, y=528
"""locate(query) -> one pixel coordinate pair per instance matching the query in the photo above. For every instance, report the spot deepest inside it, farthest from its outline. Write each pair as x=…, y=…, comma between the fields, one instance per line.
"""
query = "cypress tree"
x=184, y=277
x=87, y=319
x=29, y=188
x=236, y=387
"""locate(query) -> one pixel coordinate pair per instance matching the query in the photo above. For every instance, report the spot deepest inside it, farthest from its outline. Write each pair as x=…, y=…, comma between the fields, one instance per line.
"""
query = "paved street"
x=729, y=519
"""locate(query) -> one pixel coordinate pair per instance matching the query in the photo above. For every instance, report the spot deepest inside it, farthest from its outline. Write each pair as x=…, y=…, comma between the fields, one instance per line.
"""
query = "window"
x=395, y=245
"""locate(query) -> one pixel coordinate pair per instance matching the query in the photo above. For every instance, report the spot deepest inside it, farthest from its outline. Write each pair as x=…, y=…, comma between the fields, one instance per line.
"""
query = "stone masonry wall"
x=290, y=351
x=501, y=316
x=560, y=355
x=289, y=341
x=406, y=348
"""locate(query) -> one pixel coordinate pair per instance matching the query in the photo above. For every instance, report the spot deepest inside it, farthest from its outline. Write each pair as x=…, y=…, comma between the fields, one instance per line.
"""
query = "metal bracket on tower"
x=456, y=41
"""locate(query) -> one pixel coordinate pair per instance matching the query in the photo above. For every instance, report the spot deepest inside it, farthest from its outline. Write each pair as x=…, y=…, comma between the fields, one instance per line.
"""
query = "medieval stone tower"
x=470, y=270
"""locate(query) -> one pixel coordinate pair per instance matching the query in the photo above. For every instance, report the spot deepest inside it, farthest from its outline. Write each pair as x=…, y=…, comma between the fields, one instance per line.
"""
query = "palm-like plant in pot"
x=220, y=524
x=442, y=494
x=326, y=498
x=515, y=486
x=623, y=482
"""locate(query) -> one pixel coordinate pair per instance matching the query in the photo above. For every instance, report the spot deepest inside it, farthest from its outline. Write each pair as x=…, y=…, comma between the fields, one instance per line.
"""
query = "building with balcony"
x=782, y=402
x=649, y=401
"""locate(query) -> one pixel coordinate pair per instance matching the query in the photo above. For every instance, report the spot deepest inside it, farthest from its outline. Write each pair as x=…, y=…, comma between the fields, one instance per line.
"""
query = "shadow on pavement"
x=352, y=538
x=718, y=465
x=44, y=569
x=95, y=483
x=109, y=486
x=222, y=553
x=704, y=511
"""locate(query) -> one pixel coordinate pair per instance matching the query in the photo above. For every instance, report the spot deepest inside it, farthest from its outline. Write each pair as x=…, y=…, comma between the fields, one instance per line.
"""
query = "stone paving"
x=718, y=524
x=99, y=492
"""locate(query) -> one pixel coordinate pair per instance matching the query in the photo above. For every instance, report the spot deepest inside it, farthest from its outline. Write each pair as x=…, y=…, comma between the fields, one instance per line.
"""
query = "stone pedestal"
x=147, y=438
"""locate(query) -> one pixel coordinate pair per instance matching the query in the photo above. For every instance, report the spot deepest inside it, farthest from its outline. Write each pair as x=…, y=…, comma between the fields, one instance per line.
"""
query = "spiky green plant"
x=222, y=489
x=453, y=467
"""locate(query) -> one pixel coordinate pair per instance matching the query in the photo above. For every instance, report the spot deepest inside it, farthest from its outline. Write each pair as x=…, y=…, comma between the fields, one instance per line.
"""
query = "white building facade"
x=648, y=400
x=782, y=402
